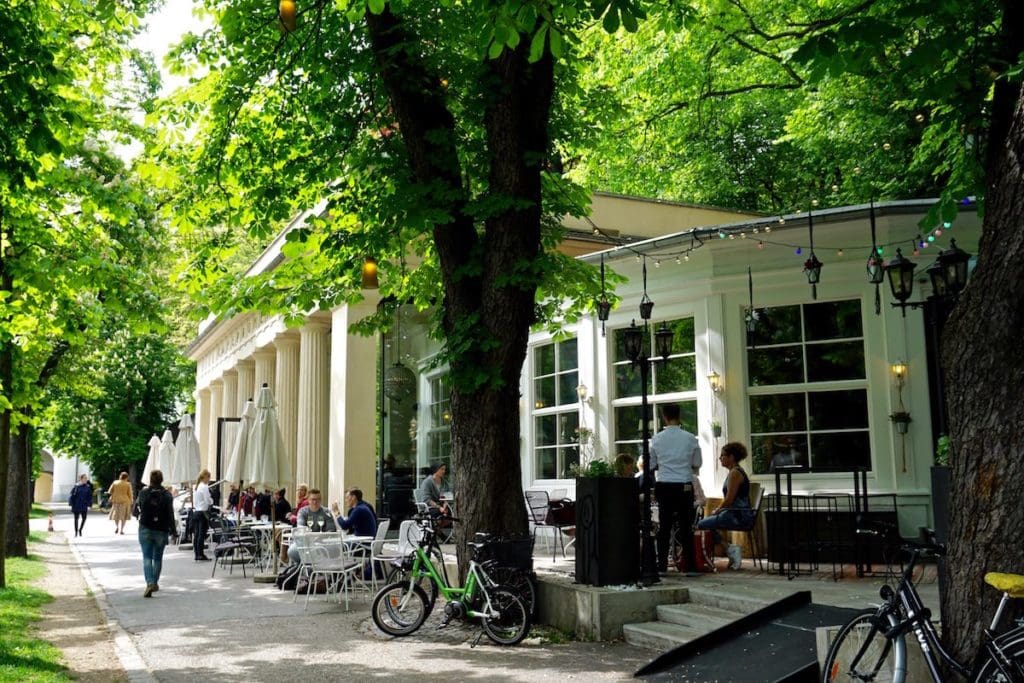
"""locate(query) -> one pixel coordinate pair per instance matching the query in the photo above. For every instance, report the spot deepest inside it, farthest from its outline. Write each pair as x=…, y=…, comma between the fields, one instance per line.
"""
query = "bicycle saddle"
x=1013, y=584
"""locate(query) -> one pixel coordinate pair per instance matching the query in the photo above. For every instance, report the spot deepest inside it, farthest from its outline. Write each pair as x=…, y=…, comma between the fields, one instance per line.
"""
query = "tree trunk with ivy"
x=983, y=367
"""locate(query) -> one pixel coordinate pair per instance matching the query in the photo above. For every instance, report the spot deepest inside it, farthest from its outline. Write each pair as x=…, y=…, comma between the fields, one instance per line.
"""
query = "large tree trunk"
x=489, y=286
x=18, y=482
x=984, y=368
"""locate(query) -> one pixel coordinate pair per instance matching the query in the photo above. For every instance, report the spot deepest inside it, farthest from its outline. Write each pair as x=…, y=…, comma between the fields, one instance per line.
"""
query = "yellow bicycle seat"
x=1007, y=583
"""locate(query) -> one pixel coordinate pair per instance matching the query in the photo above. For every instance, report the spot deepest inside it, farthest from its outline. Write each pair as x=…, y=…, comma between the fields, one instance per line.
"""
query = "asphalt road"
x=202, y=628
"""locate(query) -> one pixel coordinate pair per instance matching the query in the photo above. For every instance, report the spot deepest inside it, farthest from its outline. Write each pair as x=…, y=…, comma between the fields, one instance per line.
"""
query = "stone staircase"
x=678, y=624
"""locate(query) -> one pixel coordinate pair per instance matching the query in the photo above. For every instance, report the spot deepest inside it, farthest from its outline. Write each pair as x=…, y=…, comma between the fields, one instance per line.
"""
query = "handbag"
x=561, y=512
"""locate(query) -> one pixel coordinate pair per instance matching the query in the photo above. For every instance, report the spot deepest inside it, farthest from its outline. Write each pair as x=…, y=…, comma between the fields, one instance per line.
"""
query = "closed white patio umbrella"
x=152, y=459
x=186, y=449
x=268, y=465
x=165, y=456
x=234, y=471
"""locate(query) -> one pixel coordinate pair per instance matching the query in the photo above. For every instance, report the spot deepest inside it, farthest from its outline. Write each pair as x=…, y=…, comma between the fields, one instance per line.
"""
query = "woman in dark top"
x=735, y=511
x=156, y=524
x=80, y=501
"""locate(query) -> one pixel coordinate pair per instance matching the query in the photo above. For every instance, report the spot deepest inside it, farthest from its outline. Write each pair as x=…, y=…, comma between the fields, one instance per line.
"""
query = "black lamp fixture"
x=948, y=275
x=751, y=317
x=604, y=307
x=812, y=266
x=875, y=267
x=635, y=341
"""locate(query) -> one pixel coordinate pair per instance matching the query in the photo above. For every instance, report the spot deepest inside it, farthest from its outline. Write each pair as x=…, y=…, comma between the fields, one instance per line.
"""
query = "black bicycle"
x=873, y=645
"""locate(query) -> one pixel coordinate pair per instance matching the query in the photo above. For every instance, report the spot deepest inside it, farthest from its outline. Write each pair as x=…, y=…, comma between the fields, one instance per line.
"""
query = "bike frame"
x=423, y=566
x=903, y=611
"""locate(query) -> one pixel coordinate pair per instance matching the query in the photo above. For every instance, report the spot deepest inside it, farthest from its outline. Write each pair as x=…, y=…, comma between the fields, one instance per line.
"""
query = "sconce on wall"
x=715, y=380
x=901, y=418
x=584, y=394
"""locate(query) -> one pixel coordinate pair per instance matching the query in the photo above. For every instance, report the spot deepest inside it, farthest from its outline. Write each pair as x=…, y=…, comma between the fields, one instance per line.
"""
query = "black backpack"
x=151, y=509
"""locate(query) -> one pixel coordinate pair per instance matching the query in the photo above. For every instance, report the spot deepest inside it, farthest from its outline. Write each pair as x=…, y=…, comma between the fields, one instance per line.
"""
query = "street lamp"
x=636, y=341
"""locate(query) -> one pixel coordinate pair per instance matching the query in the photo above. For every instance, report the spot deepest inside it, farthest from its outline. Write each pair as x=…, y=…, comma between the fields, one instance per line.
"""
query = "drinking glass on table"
x=310, y=522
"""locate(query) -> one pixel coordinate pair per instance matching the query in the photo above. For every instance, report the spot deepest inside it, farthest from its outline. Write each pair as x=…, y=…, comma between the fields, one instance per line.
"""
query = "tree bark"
x=983, y=368
x=18, y=482
x=489, y=288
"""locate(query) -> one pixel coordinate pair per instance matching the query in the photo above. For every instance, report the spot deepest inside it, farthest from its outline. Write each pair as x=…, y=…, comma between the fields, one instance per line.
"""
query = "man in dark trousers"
x=675, y=457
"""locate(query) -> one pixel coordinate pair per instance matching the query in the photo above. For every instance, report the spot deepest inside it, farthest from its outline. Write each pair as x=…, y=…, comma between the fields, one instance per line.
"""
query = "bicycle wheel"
x=861, y=652
x=1012, y=645
x=519, y=582
x=398, y=613
x=512, y=623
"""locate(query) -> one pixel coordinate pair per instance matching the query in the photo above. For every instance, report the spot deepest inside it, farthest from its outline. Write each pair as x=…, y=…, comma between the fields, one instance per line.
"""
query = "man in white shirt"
x=202, y=501
x=675, y=456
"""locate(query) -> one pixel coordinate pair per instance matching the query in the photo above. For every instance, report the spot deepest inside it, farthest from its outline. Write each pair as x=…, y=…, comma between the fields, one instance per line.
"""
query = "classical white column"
x=265, y=370
x=286, y=372
x=353, y=404
x=210, y=453
x=246, y=383
x=312, y=435
x=203, y=414
x=229, y=401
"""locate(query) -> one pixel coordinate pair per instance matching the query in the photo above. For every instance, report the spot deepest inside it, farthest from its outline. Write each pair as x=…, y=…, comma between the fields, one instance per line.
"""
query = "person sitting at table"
x=247, y=499
x=282, y=508
x=314, y=517
x=233, y=497
x=261, y=506
x=301, y=501
x=735, y=511
x=361, y=520
x=625, y=465
x=429, y=491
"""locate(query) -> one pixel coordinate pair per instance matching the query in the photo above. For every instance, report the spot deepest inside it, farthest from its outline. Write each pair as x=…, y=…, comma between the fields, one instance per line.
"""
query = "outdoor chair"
x=232, y=546
x=409, y=535
x=538, y=504
x=376, y=548
x=326, y=555
x=756, y=497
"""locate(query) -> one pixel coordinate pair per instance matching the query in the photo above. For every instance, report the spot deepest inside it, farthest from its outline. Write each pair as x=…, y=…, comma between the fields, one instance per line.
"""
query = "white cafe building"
x=811, y=382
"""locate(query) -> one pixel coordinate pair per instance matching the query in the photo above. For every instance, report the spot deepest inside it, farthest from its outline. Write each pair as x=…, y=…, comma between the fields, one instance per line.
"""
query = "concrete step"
x=698, y=617
x=730, y=601
x=659, y=635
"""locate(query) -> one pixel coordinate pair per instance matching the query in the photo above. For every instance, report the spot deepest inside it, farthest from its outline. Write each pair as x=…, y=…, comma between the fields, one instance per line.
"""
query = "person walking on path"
x=120, y=502
x=80, y=501
x=675, y=455
x=202, y=501
x=156, y=523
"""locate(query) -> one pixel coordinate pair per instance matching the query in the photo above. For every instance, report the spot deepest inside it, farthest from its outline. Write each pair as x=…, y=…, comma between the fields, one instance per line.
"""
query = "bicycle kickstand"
x=478, y=637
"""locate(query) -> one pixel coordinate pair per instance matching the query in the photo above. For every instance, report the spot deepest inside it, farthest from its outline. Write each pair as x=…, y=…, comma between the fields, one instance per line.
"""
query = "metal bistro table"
x=789, y=559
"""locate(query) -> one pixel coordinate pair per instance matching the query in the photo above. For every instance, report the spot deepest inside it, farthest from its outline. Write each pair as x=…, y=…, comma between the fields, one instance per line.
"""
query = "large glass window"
x=556, y=417
x=670, y=381
x=808, y=389
x=439, y=433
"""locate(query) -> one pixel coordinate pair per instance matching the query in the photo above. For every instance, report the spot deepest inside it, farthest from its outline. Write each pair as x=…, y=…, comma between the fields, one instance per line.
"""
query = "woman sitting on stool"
x=735, y=511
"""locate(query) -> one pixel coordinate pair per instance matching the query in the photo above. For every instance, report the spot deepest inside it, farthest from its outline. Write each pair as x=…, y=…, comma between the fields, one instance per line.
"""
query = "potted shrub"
x=607, y=525
x=716, y=428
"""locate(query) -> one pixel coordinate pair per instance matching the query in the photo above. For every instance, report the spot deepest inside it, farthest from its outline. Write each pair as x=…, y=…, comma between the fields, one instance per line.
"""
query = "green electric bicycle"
x=401, y=608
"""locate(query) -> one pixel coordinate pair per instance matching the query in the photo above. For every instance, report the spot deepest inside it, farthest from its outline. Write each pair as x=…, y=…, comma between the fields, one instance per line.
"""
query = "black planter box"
x=607, y=530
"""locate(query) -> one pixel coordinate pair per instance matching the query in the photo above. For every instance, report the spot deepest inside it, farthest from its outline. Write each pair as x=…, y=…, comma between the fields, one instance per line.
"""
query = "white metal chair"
x=409, y=534
x=327, y=556
x=376, y=548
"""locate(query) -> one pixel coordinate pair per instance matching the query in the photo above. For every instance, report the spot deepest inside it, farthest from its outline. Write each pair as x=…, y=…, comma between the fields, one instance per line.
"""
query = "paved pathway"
x=198, y=628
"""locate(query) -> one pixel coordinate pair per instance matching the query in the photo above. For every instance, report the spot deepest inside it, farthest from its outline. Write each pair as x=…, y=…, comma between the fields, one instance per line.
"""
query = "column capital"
x=244, y=363
x=287, y=340
x=203, y=391
x=218, y=382
x=229, y=371
x=315, y=325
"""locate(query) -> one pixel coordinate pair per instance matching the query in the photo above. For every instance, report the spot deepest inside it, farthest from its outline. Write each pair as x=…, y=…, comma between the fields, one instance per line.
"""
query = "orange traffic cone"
x=49, y=523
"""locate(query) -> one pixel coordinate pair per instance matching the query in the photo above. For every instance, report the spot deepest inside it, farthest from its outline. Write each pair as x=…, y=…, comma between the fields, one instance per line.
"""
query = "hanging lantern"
x=812, y=266
x=937, y=275
x=369, y=273
x=399, y=382
x=646, y=305
x=751, y=318
x=604, y=307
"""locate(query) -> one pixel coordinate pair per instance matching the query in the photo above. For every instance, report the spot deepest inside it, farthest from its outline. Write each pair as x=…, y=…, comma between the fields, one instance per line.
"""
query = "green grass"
x=23, y=656
x=38, y=512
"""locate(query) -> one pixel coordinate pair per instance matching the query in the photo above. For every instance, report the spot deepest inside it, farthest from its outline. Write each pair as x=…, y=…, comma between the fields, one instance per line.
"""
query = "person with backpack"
x=80, y=501
x=156, y=524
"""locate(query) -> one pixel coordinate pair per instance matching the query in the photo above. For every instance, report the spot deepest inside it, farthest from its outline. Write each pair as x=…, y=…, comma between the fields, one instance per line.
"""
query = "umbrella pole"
x=270, y=578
